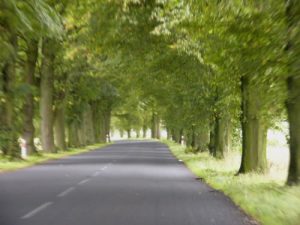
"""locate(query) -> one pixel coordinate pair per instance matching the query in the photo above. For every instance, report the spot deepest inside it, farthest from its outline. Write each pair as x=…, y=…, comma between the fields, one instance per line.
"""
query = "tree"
x=19, y=19
x=293, y=88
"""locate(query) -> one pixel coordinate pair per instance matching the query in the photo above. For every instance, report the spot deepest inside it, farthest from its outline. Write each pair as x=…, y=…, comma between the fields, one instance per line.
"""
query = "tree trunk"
x=121, y=133
x=153, y=126
x=193, y=138
x=138, y=133
x=102, y=129
x=169, y=136
x=144, y=131
x=107, y=124
x=81, y=136
x=219, y=136
x=73, y=139
x=188, y=138
x=293, y=86
x=212, y=139
x=103, y=123
x=254, y=132
x=222, y=136
x=293, y=109
x=157, y=126
x=202, y=140
x=129, y=133
x=87, y=126
x=228, y=136
x=181, y=137
x=46, y=101
x=28, y=108
x=175, y=135
x=59, y=128
x=8, y=127
x=97, y=121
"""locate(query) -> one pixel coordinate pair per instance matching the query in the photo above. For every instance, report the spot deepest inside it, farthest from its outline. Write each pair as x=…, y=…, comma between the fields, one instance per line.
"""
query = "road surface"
x=127, y=183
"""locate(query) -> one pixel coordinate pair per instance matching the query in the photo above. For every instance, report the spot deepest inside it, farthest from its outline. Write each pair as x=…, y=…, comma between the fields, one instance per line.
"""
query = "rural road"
x=127, y=183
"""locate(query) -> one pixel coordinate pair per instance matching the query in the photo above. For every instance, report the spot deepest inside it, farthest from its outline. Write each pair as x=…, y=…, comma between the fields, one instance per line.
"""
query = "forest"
x=214, y=74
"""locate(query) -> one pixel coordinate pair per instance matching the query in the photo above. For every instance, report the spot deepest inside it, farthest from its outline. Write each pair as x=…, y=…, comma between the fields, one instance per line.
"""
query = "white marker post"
x=182, y=140
x=23, y=148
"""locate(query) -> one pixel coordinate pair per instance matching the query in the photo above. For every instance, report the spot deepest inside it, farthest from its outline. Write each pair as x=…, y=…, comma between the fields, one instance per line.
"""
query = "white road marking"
x=37, y=210
x=95, y=174
x=64, y=193
x=83, y=181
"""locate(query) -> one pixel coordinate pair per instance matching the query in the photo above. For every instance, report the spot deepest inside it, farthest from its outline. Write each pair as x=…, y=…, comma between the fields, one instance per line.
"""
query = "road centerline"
x=65, y=192
x=95, y=174
x=37, y=210
x=84, y=181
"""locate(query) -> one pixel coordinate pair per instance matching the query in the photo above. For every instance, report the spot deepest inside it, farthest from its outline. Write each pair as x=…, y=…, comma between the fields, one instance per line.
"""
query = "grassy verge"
x=8, y=165
x=262, y=197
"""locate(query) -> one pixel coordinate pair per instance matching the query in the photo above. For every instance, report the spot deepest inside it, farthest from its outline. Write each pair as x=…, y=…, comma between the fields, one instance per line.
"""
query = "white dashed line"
x=83, y=181
x=37, y=210
x=96, y=174
x=64, y=193
x=104, y=168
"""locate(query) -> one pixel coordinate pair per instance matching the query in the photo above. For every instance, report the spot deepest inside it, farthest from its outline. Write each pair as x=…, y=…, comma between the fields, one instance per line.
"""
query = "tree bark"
x=138, y=133
x=46, y=101
x=169, y=136
x=129, y=133
x=153, y=126
x=81, y=135
x=293, y=88
x=189, y=133
x=202, y=139
x=28, y=108
x=88, y=121
x=8, y=126
x=73, y=139
x=254, y=131
x=217, y=138
x=228, y=136
x=144, y=131
x=96, y=114
x=121, y=133
x=181, y=137
x=220, y=142
x=103, y=116
x=193, y=138
x=59, y=128
x=107, y=124
x=212, y=139
x=157, y=126
x=293, y=109
x=102, y=129
x=176, y=135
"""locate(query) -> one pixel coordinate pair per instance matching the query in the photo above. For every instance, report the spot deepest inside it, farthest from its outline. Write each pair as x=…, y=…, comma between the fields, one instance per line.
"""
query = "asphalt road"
x=127, y=183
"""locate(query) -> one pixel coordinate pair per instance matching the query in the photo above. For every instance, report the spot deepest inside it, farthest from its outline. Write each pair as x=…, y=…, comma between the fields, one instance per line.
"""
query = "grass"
x=263, y=197
x=8, y=165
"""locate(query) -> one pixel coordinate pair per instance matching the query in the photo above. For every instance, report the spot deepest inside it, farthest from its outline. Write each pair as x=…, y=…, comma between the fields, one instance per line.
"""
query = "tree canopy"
x=214, y=73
